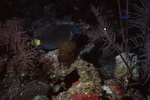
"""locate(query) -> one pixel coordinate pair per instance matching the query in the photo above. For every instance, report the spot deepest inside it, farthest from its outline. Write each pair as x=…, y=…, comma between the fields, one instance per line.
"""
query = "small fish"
x=56, y=36
x=125, y=16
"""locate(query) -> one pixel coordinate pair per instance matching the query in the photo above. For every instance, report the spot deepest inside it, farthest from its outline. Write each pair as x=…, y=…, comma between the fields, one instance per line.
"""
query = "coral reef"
x=71, y=72
x=88, y=86
x=89, y=76
x=80, y=91
x=114, y=90
x=86, y=71
x=52, y=67
x=121, y=72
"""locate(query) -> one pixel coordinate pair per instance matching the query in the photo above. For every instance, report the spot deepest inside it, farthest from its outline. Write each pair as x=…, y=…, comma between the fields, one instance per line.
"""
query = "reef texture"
x=80, y=91
x=67, y=53
x=121, y=71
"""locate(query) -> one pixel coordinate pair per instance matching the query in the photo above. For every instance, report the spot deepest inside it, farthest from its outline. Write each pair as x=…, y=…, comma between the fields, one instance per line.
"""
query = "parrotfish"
x=57, y=35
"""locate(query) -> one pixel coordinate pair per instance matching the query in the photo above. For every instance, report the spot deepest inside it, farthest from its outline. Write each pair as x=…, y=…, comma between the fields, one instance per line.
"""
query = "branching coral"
x=100, y=32
x=16, y=43
x=142, y=21
x=103, y=32
x=142, y=40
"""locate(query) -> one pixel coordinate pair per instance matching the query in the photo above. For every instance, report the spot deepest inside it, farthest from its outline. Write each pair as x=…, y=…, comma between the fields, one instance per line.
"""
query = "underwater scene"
x=74, y=49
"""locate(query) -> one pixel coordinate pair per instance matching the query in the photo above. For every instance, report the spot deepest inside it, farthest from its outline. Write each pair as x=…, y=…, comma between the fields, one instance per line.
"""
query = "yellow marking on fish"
x=38, y=42
x=35, y=42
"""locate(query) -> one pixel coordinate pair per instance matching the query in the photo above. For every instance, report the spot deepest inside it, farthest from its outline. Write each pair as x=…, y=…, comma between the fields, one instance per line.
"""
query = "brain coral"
x=67, y=53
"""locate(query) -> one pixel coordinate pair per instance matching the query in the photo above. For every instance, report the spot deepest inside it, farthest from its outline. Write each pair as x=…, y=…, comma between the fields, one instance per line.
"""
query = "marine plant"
x=16, y=44
x=141, y=21
x=106, y=35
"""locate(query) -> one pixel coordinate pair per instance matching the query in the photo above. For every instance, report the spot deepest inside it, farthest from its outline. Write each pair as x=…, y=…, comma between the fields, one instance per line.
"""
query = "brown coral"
x=67, y=53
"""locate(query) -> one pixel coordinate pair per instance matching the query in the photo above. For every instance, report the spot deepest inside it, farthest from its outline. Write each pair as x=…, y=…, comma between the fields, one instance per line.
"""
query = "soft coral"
x=16, y=43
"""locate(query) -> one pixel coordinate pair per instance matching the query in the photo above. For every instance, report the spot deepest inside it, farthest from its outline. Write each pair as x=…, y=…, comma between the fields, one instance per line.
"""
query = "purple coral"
x=16, y=43
x=142, y=22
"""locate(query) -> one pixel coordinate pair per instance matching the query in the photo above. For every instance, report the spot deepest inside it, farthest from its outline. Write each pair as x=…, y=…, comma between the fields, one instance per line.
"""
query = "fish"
x=125, y=16
x=57, y=35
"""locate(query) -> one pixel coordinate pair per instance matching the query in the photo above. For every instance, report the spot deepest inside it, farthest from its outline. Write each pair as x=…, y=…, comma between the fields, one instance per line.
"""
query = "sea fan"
x=142, y=16
x=142, y=21
x=109, y=39
x=16, y=43
x=100, y=32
